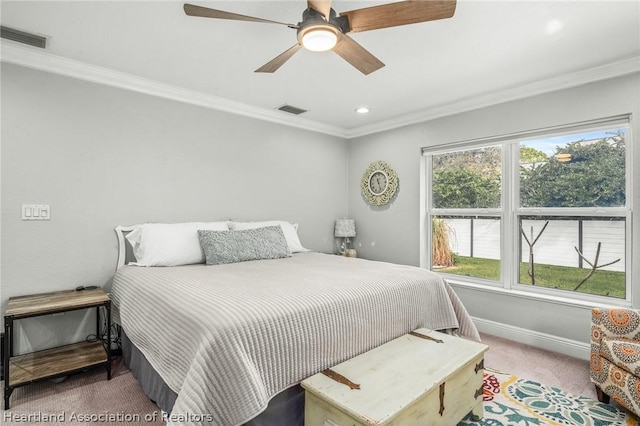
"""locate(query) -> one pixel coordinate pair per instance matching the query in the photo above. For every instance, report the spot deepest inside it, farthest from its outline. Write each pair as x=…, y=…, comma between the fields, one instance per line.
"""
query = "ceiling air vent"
x=23, y=37
x=291, y=109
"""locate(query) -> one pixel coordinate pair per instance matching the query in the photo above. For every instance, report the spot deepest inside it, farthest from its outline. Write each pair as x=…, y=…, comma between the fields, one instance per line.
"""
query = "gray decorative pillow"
x=238, y=246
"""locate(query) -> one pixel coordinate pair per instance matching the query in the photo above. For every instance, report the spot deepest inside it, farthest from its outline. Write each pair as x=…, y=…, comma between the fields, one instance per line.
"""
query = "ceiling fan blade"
x=322, y=6
x=279, y=60
x=205, y=12
x=400, y=13
x=349, y=50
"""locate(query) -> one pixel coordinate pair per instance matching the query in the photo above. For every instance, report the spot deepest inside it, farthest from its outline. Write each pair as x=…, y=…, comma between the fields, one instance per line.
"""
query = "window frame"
x=511, y=211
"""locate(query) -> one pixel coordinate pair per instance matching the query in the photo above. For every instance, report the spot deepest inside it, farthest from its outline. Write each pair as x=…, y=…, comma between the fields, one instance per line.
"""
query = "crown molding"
x=604, y=72
x=45, y=61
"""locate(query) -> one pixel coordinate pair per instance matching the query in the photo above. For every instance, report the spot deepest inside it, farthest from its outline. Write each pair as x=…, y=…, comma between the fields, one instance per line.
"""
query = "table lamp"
x=346, y=229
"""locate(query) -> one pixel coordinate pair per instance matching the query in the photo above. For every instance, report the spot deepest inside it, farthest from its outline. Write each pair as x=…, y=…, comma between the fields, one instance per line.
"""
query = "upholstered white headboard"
x=125, y=251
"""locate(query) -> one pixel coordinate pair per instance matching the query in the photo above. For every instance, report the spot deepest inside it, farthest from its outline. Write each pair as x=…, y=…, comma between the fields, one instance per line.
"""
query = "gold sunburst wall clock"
x=379, y=183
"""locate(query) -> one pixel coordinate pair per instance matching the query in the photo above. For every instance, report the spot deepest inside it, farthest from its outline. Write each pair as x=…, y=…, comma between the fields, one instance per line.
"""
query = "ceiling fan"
x=322, y=29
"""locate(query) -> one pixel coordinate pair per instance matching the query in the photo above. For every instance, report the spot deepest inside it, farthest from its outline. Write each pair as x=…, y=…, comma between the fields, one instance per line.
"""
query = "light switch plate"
x=36, y=212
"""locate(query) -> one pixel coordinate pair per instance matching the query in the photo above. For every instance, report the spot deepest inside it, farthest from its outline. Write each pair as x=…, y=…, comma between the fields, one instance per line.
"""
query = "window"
x=544, y=211
x=466, y=198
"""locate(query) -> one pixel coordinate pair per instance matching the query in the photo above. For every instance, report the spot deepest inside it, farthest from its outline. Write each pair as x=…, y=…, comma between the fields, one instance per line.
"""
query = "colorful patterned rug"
x=512, y=401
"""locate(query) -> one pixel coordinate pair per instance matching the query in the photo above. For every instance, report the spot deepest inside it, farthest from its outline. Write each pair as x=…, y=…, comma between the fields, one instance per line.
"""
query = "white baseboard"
x=549, y=342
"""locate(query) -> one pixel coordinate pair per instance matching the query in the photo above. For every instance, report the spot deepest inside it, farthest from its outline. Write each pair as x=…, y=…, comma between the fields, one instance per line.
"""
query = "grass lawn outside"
x=603, y=283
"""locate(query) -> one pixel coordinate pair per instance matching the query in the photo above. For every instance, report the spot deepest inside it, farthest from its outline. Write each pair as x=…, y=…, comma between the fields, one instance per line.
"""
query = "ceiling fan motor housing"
x=314, y=20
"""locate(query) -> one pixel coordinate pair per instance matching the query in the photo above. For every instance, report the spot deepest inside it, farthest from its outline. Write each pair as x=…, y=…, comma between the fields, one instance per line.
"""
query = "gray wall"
x=102, y=156
x=393, y=234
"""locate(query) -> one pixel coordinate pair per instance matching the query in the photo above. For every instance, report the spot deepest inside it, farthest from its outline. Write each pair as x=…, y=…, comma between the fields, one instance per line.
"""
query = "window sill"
x=558, y=300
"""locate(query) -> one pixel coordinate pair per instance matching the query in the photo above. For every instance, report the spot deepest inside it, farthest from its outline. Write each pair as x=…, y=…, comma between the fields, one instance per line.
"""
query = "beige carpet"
x=551, y=368
x=83, y=399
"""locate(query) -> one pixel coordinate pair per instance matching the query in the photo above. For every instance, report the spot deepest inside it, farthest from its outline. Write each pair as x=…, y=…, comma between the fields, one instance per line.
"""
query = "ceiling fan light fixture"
x=319, y=39
x=322, y=29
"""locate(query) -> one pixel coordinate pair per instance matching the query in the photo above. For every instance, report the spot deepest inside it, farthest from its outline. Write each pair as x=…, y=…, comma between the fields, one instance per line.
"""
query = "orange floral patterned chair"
x=615, y=356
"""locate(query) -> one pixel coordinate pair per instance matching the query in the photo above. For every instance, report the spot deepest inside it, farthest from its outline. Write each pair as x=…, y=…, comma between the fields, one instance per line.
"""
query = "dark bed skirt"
x=286, y=408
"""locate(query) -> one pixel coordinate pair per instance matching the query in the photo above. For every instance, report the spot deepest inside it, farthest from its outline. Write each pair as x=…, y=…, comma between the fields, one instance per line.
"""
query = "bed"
x=228, y=343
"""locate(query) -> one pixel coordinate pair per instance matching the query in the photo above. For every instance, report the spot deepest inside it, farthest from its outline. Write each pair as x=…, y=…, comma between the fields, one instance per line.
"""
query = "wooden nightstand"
x=28, y=368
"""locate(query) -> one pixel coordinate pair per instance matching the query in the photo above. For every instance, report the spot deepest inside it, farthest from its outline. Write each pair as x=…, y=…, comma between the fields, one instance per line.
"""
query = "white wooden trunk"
x=407, y=381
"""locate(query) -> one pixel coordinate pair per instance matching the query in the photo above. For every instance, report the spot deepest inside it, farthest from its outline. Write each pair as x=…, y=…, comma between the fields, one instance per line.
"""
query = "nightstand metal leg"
x=7, y=395
x=8, y=352
x=98, y=330
x=107, y=306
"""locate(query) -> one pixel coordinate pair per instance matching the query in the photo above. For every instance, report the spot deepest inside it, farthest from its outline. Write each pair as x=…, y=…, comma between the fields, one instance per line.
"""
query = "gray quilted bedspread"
x=227, y=338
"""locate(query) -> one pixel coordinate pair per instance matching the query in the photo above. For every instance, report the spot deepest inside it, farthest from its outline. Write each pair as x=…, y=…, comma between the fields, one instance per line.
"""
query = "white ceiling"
x=487, y=49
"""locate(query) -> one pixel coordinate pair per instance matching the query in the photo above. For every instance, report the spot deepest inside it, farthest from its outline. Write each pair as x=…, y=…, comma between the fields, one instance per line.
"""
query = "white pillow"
x=290, y=231
x=170, y=244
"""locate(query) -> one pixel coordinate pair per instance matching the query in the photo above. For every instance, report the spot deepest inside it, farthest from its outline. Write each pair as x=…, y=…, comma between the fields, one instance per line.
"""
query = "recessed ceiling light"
x=362, y=110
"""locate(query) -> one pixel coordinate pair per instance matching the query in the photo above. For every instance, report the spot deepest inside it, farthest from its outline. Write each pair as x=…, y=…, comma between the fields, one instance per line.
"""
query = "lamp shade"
x=345, y=228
